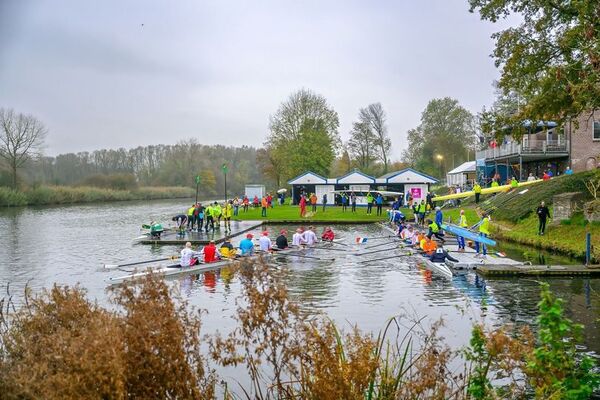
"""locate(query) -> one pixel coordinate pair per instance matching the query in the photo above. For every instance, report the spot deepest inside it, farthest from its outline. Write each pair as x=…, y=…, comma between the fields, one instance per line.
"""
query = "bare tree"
x=360, y=145
x=21, y=138
x=374, y=117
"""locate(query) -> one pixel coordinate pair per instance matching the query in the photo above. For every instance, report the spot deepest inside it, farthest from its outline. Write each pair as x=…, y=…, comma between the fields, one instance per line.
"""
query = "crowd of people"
x=303, y=237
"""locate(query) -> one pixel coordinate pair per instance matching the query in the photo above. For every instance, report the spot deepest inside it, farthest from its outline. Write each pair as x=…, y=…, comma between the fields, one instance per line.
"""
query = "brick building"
x=584, y=141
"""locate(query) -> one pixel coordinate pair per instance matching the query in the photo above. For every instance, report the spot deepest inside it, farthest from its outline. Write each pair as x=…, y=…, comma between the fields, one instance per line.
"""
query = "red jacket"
x=328, y=235
x=210, y=252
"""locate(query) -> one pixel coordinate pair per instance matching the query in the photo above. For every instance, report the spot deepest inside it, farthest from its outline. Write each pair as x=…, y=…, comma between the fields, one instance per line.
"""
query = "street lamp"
x=224, y=168
x=440, y=158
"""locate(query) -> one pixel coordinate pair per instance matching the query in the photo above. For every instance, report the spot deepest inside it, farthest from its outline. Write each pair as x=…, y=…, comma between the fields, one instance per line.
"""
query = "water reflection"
x=69, y=244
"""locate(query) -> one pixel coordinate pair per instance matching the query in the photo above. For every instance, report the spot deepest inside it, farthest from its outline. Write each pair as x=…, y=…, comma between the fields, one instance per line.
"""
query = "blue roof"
x=306, y=173
x=356, y=172
x=393, y=174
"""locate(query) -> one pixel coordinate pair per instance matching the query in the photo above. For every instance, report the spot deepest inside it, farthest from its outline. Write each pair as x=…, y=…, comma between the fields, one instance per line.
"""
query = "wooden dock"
x=218, y=236
x=538, y=270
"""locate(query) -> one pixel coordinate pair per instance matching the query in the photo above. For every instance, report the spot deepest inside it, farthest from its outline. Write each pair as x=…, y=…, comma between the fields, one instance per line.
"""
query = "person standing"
x=543, y=214
x=568, y=171
x=245, y=203
x=190, y=216
x=269, y=200
x=477, y=191
x=353, y=201
x=514, y=183
x=379, y=204
x=421, y=210
x=236, y=206
x=344, y=202
x=484, y=230
x=462, y=222
x=494, y=183
x=200, y=218
x=313, y=202
x=227, y=212
x=530, y=178
x=439, y=217
x=324, y=201
x=370, y=200
x=429, y=201
x=210, y=219
x=302, y=206
x=264, y=204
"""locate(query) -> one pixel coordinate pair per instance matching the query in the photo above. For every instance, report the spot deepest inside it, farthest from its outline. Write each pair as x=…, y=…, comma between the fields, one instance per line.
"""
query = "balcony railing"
x=527, y=147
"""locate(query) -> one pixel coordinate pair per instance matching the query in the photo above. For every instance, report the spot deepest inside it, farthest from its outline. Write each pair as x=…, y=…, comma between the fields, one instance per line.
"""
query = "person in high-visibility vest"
x=484, y=230
x=462, y=222
x=434, y=230
x=190, y=216
x=477, y=191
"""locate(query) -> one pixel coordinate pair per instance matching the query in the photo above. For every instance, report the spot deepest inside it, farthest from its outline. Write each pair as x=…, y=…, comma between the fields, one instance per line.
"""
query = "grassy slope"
x=513, y=217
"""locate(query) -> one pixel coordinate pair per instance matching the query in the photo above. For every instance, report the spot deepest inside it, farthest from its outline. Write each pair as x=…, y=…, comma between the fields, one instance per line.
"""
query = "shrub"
x=122, y=181
x=12, y=198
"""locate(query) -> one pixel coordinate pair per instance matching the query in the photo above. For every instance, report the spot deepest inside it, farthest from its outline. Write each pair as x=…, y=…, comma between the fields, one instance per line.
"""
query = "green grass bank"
x=47, y=195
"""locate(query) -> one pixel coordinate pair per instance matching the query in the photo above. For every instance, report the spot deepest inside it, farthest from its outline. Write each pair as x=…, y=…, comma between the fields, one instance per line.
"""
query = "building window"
x=596, y=130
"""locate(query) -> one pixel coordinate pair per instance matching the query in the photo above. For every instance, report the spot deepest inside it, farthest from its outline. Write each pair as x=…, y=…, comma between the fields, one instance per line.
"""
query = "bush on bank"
x=46, y=195
x=59, y=344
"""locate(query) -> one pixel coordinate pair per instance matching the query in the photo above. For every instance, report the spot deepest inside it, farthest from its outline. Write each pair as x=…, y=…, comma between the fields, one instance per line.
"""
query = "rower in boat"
x=265, y=242
x=298, y=238
x=227, y=250
x=427, y=245
x=247, y=246
x=440, y=255
x=156, y=230
x=407, y=234
x=328, y=235
x=189, y=257
x=281, y=242
x=210, y=252
x=309, y=236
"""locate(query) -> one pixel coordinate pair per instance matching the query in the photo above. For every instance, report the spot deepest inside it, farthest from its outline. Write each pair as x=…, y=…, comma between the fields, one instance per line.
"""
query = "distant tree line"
x=156, y=165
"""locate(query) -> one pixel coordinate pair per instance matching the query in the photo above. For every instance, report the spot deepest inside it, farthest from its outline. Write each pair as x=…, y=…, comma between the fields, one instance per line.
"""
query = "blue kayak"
x=467, y=234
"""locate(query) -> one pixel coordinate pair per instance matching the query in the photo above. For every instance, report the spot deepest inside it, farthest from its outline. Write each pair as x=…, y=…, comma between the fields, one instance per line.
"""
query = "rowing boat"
x=489, y=190
x=440, y=268
x=176, y=269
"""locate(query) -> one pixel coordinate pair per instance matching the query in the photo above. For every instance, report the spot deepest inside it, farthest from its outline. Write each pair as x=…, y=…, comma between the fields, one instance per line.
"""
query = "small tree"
x=21, y=138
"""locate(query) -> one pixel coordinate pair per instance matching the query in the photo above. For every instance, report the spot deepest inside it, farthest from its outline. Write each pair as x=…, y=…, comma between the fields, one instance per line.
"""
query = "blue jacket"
x=379, y=199
x=439, y=218
x=246, y=246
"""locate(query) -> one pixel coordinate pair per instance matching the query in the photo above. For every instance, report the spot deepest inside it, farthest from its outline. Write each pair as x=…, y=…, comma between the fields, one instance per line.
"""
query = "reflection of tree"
x=313, y=285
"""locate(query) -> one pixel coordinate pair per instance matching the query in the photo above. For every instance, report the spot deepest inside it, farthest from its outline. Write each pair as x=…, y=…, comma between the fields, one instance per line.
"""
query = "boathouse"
x=463, y=175
x=406, y=181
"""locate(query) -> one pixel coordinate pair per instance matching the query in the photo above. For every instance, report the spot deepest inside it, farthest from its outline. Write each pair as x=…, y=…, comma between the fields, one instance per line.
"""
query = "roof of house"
x=468, y=166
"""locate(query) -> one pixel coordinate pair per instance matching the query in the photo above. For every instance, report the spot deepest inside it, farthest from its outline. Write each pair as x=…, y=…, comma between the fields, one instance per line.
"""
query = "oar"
x=303, y=256
x=379, y=245
x=114, y=266
x=376, y=251
x=386, y=258
x=328, y=248
x=360, y=239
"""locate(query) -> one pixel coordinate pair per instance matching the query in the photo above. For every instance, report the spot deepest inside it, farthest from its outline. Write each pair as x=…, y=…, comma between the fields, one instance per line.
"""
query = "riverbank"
x=49, y=195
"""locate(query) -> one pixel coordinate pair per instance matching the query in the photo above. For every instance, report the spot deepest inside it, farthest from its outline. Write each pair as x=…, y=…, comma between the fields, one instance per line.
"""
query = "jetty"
x=173, y=238
x=504, y=270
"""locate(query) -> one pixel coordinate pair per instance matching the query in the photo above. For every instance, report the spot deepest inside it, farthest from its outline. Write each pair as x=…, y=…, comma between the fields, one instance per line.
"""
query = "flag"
x=361, y=240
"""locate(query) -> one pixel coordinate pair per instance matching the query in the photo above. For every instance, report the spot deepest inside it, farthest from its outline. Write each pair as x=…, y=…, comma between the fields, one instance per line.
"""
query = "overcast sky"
x=108, y=74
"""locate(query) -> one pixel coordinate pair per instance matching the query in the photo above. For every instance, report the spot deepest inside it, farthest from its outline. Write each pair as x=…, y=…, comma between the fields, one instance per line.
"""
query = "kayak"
x=467, y=234
x=176, y=269
x=483, y=191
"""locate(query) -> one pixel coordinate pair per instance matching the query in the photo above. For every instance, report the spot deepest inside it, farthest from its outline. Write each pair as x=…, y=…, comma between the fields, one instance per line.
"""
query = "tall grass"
x=46, y=195
x=59, y=344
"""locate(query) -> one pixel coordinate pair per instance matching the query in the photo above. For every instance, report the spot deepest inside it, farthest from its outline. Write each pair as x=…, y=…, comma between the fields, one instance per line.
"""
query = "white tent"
x=462, y=173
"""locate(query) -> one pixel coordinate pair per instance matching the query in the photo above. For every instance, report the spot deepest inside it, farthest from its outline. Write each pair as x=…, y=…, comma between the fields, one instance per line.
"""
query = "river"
x=69, y=244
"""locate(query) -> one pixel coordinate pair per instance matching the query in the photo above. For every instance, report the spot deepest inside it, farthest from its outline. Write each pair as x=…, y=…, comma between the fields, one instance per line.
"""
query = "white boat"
x=176, y=269
x=440, y=268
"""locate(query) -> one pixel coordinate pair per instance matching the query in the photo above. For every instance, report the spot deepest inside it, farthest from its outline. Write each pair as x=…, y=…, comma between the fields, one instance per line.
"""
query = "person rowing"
x=440, y=255
x=328, y=235
x=298, y=238
x=265, y=242
x=309, y=236
x=227, y=250
x=427, y=245
x=189, y=257
x=407, y=234
x=281, y=242
x=247, y=246
x=210, y=252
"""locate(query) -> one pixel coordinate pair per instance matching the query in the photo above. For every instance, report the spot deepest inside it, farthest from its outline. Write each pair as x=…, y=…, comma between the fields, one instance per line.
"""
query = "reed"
x=48, y=195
